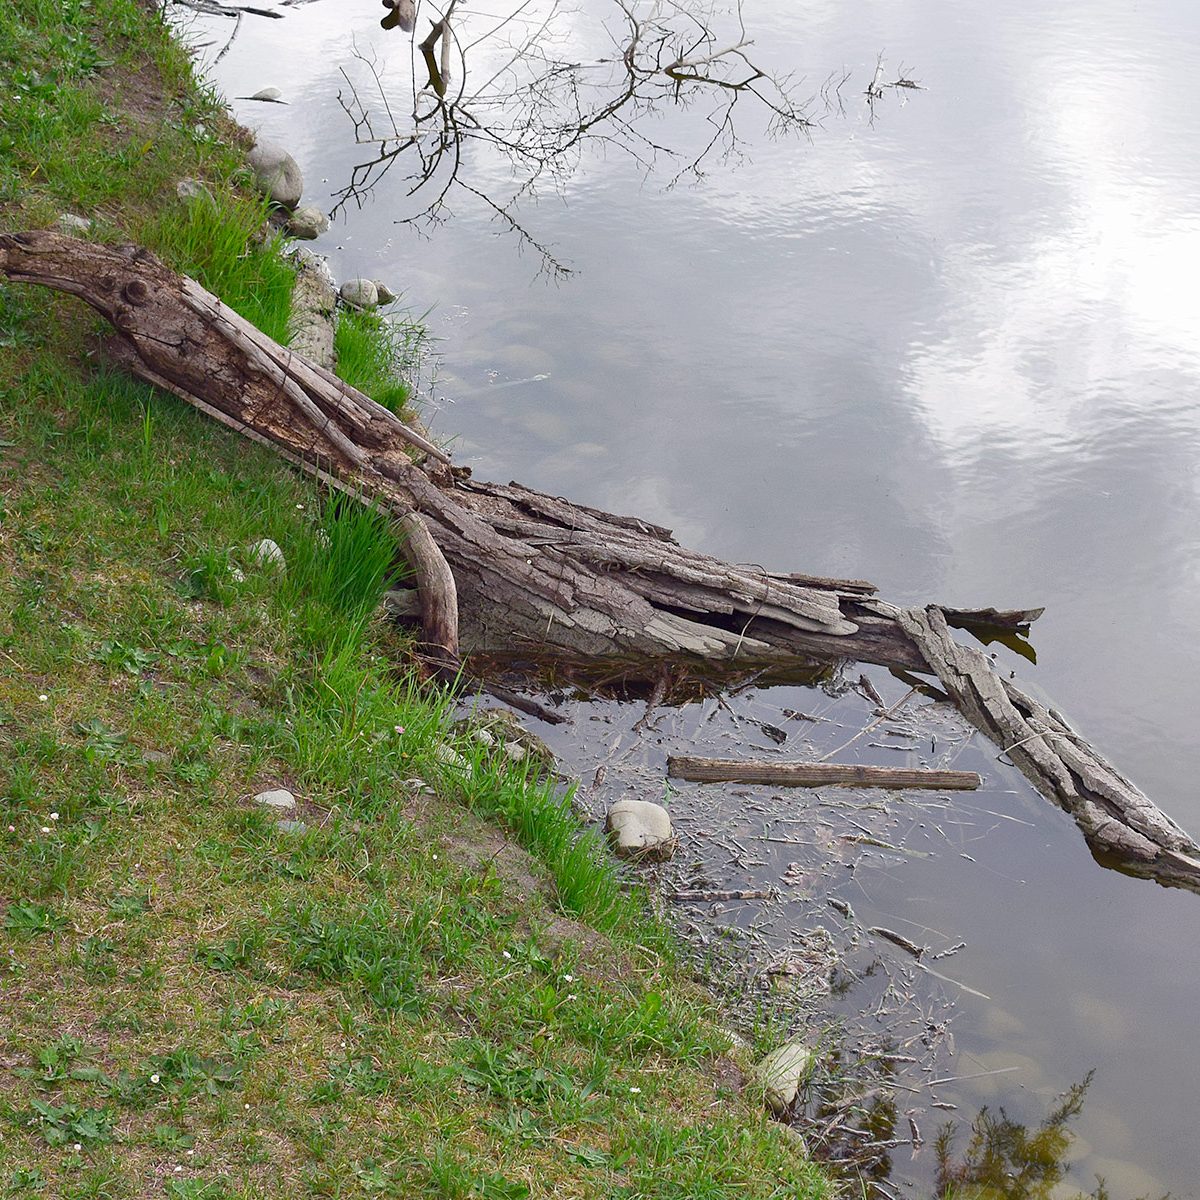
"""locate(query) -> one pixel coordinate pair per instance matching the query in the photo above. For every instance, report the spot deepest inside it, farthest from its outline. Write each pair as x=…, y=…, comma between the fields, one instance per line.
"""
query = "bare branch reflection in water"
x=538, y=84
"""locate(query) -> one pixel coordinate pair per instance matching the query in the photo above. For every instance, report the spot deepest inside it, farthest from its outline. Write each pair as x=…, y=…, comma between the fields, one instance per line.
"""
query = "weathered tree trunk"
x=504, y=568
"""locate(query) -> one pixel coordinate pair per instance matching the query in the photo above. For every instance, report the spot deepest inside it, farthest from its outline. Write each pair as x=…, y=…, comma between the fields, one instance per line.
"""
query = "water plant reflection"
x=1005, y=1160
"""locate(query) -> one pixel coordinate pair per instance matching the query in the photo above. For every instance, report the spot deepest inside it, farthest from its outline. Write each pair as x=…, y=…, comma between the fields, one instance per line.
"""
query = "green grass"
x=376, y=995
x=217, y=242
x=376, y=354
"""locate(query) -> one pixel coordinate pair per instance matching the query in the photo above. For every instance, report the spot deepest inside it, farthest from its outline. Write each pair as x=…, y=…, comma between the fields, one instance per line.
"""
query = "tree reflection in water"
x=538, y=82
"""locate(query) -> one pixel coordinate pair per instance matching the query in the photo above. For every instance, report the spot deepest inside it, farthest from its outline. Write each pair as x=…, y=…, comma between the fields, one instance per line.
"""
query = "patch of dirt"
x=728, y=1075
x=487, y=850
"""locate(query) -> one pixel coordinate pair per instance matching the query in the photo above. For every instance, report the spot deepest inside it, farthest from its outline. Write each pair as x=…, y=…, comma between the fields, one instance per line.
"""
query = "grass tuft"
x=377, y=354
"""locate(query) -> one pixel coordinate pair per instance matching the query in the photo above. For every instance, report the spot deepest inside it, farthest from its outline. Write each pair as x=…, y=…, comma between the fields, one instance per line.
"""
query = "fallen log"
x=508, y=570
x=804, y=774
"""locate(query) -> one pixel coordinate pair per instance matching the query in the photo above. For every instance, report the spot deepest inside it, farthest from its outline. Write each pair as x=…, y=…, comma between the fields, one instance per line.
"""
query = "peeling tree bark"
x=503, y=568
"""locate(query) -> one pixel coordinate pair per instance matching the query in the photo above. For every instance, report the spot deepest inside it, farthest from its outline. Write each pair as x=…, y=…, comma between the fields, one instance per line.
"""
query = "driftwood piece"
x=812, y=774
x=508, y=571
x=1115, y=817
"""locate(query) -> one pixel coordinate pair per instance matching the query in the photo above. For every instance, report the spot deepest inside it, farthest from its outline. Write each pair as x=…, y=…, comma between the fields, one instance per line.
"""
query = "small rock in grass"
x=276, y=798
x=506, y=727
x=640, y=829
x=155, y=756
x=73, y=224
x=402, y=602
x=277, y=174
x=794, y=1135
x=192, y=189
x=359, y=293
x=782, y=1072
x=484, y=737
x=307, y=221
x=385, y=293
x=451, y=757
x=292, y=826
x=268, y=554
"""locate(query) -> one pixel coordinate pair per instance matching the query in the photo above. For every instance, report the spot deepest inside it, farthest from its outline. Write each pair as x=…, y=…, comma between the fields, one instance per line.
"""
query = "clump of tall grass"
x=377, y=355
x=348, y=563
x=221, y=245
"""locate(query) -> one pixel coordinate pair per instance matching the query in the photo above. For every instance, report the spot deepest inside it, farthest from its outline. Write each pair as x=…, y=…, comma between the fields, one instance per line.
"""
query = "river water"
x=948, y=341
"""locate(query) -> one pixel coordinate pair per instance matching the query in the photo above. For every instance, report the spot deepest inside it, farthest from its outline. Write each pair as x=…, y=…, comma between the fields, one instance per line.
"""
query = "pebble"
x=276, y=798
x=292, y=826
x=268, y=554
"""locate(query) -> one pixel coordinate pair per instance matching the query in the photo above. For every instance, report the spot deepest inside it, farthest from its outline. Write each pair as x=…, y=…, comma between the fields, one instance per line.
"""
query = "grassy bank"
x=423, y=980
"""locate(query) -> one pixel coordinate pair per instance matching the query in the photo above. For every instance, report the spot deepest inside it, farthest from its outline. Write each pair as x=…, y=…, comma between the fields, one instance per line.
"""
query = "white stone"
x=484, y=737
x=450, y=757
x=192, y=189
x=307, y=221
x=268, y=93
x=73, y=224
x=782, y=1072
x=277, y=173
x=268, y=554
x=276, y=798
x=515, y=752
x=360, y=293
x=296, y=827
x=639, y=829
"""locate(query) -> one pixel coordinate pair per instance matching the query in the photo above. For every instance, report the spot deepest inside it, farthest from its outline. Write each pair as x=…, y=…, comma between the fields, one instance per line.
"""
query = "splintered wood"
x=508, y=570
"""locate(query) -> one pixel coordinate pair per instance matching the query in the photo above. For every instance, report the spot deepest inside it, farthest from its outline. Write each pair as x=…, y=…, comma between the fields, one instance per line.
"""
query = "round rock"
x=307, y=221
x=277, y=173
x=640, y=829
x=268, y=554
x=359, y=293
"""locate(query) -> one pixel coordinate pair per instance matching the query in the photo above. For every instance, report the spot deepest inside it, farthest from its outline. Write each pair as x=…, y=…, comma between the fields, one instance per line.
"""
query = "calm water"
x=954, y=349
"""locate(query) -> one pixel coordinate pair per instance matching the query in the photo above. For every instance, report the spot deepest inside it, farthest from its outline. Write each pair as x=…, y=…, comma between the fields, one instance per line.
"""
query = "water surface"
x=952, y=346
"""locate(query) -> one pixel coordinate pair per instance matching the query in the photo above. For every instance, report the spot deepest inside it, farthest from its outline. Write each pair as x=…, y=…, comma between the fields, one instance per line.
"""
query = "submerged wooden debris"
x=810, y=774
